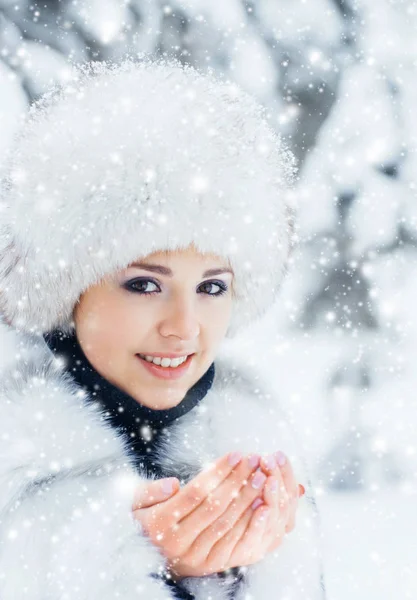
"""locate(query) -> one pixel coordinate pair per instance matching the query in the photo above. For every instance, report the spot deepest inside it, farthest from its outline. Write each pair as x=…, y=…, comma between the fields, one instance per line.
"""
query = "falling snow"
x=337, y=79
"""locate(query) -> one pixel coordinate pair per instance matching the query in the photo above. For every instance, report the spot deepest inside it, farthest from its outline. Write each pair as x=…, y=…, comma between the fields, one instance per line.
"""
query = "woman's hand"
x=224, y=530
x=283, y=502
x=278, y=511
x=198, y=529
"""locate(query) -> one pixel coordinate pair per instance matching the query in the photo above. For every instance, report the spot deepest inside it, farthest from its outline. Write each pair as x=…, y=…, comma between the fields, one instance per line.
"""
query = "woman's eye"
x=222, y=288
x=140, y=285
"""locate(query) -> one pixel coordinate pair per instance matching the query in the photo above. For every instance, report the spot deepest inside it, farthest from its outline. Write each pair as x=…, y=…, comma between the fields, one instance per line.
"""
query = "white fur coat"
x=67, y=481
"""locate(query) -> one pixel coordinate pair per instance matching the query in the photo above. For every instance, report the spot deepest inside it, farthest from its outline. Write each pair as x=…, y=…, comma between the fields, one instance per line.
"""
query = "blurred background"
x=338, y=78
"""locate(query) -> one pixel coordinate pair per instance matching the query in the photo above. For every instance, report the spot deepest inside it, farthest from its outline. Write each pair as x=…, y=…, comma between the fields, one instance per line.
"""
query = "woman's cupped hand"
x=231, y=514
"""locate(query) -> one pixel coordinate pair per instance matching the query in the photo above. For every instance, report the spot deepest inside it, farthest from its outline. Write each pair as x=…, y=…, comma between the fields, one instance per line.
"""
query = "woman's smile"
x=169, y=372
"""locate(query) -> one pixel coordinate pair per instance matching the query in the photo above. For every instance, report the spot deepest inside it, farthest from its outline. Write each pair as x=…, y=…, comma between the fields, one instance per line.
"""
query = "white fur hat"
x=129, y=159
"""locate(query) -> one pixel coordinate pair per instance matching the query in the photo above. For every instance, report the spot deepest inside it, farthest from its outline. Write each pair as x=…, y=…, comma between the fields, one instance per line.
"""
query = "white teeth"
x=177, y=361
x=165, y=362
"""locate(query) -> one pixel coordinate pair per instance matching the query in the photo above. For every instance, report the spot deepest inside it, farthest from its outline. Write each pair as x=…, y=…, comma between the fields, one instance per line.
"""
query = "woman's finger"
x=221, y=509
x=292, y=488
x=149, y=493
x=221, y=552
x=270, y=466
x=276, y=498
x=279, y=501
x=196, y=491
x=230, y=513
x=288, y=475
x=251, y=546
x=163, y=521
x=272, y=461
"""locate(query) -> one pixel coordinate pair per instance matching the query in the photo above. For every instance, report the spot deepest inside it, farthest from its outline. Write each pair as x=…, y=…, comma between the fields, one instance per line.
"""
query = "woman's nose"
x=182, y=321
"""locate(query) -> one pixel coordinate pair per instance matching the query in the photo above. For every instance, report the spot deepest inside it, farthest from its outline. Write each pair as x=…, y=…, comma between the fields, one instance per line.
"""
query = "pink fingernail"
x=254, y=460
x=256, y=503
x=264, y=514
x=258, y=479
x=274, y=486
x=168, y=486
x=270, y=462
x=234, y=458
x=280, y=458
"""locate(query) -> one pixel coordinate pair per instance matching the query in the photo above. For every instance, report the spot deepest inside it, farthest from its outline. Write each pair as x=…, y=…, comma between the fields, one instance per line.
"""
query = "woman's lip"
x=168, y=355
x=167, y=372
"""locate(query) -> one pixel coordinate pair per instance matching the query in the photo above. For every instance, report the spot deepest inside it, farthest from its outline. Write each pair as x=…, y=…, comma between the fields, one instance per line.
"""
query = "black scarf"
x=141, y=425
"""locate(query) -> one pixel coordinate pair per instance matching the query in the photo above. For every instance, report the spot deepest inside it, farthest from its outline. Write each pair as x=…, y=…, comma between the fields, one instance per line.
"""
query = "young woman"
x=143, y=221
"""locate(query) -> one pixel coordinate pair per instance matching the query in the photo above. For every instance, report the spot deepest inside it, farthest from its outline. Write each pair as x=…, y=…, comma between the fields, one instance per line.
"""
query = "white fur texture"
x=132, y=158
x=67, y=482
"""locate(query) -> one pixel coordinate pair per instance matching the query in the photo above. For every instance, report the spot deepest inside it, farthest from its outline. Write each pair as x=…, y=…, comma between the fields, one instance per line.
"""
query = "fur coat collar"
x=67, y=482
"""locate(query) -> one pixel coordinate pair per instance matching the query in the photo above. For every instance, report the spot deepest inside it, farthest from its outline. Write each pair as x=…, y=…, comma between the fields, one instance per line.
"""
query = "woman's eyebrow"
x=166, y=271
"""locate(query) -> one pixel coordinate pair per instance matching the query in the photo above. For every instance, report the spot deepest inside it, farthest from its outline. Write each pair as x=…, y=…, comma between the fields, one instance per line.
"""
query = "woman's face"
x=169, y=304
